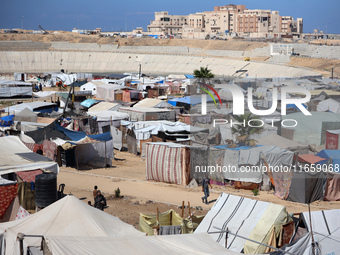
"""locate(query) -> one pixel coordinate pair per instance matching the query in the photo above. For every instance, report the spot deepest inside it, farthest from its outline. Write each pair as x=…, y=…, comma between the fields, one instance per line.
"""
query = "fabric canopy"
x=326, y=234
x=109, y=115
x=65, y=218
x=248, y=218
x=284, y=143
x=189, y=244
x=10, y=161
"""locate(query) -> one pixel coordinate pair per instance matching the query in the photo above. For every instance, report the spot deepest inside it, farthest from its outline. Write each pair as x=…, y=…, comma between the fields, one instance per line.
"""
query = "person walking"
x=100, y=201
x=95, y=193
x=205, y=188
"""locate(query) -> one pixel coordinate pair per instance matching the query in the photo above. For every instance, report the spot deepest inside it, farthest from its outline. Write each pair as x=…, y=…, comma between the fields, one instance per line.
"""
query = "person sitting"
x=100, y=201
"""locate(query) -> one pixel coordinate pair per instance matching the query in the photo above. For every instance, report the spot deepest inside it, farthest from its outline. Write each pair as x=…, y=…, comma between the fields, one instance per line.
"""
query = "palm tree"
x=203, y=73
x=243, y=131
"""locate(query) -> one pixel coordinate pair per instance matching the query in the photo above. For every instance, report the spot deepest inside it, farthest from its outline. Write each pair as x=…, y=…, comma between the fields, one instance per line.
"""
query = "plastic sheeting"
x=10, y=161
x=243, y=216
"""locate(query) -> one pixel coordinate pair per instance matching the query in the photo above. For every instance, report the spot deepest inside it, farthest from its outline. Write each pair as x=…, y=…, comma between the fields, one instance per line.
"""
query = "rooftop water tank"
x=45, y=189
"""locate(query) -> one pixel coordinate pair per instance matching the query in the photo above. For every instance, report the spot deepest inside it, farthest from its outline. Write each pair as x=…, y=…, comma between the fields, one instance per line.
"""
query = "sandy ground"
x=142, y=196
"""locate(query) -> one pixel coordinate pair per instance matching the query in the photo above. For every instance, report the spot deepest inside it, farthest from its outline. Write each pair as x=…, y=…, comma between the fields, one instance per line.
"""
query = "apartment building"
x=225, y=20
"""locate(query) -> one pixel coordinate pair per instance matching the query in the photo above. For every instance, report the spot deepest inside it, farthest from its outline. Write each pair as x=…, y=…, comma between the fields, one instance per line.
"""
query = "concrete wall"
x=91, y=61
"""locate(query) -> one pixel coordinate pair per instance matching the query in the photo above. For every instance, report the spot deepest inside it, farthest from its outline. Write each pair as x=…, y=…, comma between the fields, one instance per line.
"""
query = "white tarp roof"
x=31, y=106
x=152, y=102
x=109, y=115
x=326, y=233
x=11, y=162
x=329, y=105
x=44, y=93
x=170, y=244
x=68, y=217
x=103, y=106
x=5, y=82
x=248, y=218
x=144, y=129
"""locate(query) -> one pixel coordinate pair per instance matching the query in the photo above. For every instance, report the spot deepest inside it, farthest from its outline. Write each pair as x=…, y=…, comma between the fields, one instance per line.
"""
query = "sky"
x=122, y=15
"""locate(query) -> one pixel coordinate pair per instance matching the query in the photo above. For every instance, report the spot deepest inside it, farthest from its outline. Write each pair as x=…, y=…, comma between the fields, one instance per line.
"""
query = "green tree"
x=243, y=131
x=203, y=73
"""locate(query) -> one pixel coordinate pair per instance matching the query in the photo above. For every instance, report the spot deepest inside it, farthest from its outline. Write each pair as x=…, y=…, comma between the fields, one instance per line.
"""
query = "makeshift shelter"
x=105, y=119
x=332, y=159
x=6, y=121
x=167, y=223
x=152, y=102
x=306, y=186
x=248, y=218
x=332, y=139
x=284, y=143
x=149, y=113
x=10, y=88
x=168, y=162
x=16, y=157
x=108, y=92
x=324, y=229
x=37, y=106
x=26, y=115
x=104, y=106
x=329, y=105
x=88, y=103
x=68, y=217
x=170, y=245
x=311, y=129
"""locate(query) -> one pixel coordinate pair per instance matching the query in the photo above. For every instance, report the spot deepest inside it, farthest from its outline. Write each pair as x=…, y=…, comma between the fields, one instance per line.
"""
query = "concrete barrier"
x=90, y=61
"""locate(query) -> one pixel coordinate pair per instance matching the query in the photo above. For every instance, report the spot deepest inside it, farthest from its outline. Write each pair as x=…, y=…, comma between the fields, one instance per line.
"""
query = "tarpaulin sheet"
x=332, y=190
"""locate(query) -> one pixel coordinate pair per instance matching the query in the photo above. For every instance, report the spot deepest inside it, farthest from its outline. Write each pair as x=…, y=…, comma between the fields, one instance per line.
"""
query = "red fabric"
x=29, y=145
x=332, y=141
x=28, y=176
x=7, y=194
x=50, y=150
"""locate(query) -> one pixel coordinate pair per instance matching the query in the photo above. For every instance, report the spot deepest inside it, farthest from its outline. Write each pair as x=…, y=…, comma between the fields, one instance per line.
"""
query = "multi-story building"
x=226, y=19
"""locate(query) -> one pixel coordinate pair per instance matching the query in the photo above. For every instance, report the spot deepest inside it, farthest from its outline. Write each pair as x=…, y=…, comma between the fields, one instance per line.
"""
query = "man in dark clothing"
x=205, y=188
x=100, y=201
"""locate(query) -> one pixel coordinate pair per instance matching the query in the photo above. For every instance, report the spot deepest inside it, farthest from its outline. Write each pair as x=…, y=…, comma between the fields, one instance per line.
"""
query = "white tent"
x=326, y=234
x=329, y=105
x=68, y=217
x=104, y=106
x=170, y=245
x=248, y=218
x=15, y=157
x=152, y=102
x=109, y=115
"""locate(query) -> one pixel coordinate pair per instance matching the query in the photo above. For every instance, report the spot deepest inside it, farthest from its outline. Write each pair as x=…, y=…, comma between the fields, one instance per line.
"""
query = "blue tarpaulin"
x=293, y=106
x=334, y=154
x=88, y=103
x=102, y=137
x=6, y=121
x=191, y=100
x=189, y=76
x=225, y=146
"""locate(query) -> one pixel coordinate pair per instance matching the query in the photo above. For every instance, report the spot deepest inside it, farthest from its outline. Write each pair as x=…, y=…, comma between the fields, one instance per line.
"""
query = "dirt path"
x=129, y=175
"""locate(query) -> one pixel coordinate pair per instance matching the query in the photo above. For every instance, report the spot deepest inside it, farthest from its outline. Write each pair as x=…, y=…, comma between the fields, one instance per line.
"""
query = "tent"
x=104, y=106
x=325, y=227
x=10, y=88
x=108, y=118
x=148, y=113
x=37, y=106
x=332, y=159
x=88, y=103
x=284, y=143
x=170, y=245
x=248, y=218
x=16, y=157
x=26, y=115
x=152, y=102
x=168, y=162
x=329, y=105
x=68, y=217
x=107, y=92
x=6, y=121
x=168, y=222
x=310, y=129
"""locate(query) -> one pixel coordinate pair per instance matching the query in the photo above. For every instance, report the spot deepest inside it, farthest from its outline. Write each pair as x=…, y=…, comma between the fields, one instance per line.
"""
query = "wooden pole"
x=182, y=209
x=189, y=209
x=171, y=218
x=105, y=155
x=311, y=230
x=226, y=238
